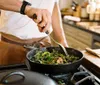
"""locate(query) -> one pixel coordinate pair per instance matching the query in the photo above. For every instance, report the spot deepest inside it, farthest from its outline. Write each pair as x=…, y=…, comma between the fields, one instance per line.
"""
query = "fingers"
x=43, y=20
x=46, y=27
x=48, y=23
x=39, y=18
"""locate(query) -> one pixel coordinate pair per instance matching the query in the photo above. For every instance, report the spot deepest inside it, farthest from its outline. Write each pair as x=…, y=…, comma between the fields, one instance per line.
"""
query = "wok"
x=54, y=69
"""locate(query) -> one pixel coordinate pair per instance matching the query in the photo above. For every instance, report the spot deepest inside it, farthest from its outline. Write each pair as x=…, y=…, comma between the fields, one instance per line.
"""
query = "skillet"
x=54, y=69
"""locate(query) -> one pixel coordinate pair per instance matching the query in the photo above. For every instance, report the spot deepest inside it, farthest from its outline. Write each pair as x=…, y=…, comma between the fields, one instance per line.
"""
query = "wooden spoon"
x=92, y=52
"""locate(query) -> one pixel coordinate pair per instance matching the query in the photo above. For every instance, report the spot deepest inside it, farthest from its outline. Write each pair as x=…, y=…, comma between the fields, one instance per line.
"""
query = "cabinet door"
x=77, y=38
x=96, y=41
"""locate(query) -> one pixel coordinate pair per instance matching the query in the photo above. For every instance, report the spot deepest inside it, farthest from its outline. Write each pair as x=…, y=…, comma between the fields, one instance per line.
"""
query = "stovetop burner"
x=81, y=77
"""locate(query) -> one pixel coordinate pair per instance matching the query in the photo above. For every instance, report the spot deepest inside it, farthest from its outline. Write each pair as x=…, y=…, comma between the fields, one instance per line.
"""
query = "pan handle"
x=4, y=80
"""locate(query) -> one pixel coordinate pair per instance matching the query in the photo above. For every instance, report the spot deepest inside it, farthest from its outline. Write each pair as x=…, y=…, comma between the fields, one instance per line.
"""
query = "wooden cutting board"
x=92, y=58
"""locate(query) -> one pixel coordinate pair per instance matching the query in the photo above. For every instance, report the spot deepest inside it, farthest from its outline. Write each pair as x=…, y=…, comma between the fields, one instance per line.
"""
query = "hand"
x=43, y=18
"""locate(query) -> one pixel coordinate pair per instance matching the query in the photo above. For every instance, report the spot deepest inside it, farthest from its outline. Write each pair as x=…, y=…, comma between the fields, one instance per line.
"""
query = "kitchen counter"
x=92, y=62
x=92, y=58
x=85, y=26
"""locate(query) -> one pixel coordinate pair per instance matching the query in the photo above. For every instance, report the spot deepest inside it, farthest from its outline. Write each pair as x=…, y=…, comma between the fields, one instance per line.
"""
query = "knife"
x=89, y=50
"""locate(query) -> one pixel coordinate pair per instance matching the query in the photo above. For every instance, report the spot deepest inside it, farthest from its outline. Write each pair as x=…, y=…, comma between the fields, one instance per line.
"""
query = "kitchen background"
x=82, y=30
x=81, y=23
x=67, y=3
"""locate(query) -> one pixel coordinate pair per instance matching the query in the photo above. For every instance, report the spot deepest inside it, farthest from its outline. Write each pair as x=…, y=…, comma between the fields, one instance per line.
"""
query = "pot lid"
x=23, y=77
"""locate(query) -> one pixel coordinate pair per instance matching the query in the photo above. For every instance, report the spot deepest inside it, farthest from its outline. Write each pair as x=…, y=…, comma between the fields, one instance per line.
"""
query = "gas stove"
x=80, y=77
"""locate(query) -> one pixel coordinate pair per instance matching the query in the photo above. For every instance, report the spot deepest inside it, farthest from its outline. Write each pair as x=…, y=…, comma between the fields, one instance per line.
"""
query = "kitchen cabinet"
x=96, y=41
x=82, y=34
x=77, y=38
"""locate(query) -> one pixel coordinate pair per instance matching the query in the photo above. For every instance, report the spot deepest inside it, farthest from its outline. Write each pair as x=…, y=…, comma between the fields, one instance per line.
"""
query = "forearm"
x=57, y=26
x=14, y=5
x=11, y=5
x=42, y=15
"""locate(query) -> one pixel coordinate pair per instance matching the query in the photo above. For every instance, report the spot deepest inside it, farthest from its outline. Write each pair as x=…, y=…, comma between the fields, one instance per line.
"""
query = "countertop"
x=90, y=27
x=92, y=62
x=92, y=58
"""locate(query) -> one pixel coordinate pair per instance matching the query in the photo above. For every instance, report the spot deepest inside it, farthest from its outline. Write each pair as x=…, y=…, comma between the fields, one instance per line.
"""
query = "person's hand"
x=43, y=18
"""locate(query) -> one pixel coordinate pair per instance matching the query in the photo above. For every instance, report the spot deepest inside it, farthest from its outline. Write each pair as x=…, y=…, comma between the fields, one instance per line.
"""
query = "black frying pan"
x=55, y=69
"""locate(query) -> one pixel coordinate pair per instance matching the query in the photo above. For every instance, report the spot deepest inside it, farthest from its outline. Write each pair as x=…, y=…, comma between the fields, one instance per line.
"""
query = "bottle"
x=97, y=12
x=84, y=13
x=76, y=9
x=91, y=8
x=97, y=15
x=91, y=16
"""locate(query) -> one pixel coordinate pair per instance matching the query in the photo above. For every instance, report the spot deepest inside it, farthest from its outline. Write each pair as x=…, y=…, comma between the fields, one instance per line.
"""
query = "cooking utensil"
x=55, y=69
x=28, y=78
x=92, y=52
x=60, y=45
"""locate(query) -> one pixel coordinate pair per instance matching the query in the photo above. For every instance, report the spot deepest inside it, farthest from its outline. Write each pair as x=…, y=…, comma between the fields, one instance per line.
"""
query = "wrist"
x=25, y=6
x=27, y=9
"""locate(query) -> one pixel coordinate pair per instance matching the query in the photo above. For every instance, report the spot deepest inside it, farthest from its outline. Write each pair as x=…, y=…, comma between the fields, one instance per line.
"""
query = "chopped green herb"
x=53, y=58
